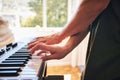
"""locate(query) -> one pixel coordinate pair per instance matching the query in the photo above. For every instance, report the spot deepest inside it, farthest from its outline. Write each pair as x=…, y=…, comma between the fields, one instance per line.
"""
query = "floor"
x=63, y=70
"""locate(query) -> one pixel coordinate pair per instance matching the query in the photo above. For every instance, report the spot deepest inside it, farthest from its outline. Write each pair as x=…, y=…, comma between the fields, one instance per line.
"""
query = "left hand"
x=51, y=39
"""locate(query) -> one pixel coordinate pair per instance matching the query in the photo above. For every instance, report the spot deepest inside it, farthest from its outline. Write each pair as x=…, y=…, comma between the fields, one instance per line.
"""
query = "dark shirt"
x=103, y=55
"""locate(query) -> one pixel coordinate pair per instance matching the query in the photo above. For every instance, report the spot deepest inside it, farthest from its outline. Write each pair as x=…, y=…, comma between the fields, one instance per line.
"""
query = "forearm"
x=86, y=14
x=75, y=40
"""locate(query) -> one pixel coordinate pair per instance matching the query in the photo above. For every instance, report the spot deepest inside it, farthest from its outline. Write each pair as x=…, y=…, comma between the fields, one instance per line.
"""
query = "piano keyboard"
x=17, y=64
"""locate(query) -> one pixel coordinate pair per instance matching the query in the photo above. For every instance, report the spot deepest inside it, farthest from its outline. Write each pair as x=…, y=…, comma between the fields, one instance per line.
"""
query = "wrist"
x=68, y=46
x=62, y=36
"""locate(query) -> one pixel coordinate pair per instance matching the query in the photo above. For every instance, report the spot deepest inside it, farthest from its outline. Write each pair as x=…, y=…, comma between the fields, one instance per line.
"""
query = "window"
x=31, y=13
x=56, y=13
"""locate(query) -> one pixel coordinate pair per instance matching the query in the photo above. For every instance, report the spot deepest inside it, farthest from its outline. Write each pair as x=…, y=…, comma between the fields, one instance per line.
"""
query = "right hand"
x=56, y=52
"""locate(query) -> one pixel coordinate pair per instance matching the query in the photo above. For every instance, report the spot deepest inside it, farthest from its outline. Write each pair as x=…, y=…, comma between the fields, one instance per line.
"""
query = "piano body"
x=17, y=64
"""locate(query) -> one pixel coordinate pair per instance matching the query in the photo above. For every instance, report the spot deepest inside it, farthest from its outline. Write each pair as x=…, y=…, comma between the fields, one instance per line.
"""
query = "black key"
x=17, y=59
x=17, y=64
x=10, y=69
x=9, y=73
x=20, y=56
x=8, y=48
x=24, y=47
x=22, y=51
x=14, y=45
x=14, y=61
x=9, y=45
x=2, y=51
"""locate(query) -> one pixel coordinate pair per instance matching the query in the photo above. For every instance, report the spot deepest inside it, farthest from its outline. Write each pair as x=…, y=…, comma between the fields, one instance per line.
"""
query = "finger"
x=34, y=48
x=42, y=46
x=55, y=55
x=31, y=45
x=39, y=54
x=36, y=39
x=39, y=46
x=46, y=47
x=47, y=57
x=42, y=39
x=50, y=57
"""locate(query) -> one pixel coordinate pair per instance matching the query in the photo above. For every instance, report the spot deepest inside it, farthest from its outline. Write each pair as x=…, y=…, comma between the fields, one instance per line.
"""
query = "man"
x=102, y=19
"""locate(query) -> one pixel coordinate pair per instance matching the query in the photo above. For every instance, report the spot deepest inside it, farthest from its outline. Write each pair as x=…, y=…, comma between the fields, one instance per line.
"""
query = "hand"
x=56, y=52
x=52, y=39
